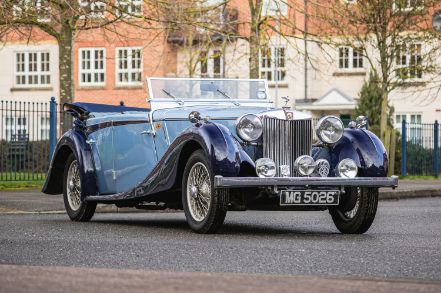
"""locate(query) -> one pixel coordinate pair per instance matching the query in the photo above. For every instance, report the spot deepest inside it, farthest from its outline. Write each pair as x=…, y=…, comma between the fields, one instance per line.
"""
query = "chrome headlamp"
x=347, y=168
x=305, y=165
x=249, y=127
x=329, y=129
x=265, y=167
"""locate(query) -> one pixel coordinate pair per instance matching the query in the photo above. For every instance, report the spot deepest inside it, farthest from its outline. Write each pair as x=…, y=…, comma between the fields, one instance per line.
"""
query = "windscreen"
x=189, y=89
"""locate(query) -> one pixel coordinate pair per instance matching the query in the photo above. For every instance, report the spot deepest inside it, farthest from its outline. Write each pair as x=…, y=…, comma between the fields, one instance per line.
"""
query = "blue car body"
x=130, y=155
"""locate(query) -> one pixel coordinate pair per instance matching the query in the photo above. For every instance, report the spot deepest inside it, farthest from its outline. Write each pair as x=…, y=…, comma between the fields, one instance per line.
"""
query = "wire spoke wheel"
x=76, y=208
x=199, y=191
x=204, y=206
x=356, y=215
x=351, y=213
x=74, y=186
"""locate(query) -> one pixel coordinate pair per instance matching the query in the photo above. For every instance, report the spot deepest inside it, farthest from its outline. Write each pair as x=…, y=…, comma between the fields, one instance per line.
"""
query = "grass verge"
x=413, y=177
x=21, y=185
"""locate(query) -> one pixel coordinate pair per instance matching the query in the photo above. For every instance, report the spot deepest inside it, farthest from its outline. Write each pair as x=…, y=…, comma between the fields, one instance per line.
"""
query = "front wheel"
x=76, y=209
x=205, y=207
x=356, y=213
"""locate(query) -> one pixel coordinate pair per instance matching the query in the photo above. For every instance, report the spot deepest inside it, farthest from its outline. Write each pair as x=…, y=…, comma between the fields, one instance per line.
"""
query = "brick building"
x=112, y=64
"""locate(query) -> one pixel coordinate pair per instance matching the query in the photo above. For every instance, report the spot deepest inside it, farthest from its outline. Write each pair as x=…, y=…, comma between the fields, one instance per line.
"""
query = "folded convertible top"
x=82, y=110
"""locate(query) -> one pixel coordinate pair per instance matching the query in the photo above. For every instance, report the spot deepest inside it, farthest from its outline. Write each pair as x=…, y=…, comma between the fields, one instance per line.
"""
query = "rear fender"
x=73, y=141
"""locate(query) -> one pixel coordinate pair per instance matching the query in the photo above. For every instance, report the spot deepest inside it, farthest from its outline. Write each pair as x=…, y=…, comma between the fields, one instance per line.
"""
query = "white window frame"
x=351, y=59
x=129, y=4
x=279, y=71
x=93, y=8
x=15, y=126
x=44, y=127
x=274, y=8
x=408, y=57
x=129, y=69
x=413, y=125
x=211, y=56
x=92, y=70
x=39, y=72
x=40, y=9
x=408, y=7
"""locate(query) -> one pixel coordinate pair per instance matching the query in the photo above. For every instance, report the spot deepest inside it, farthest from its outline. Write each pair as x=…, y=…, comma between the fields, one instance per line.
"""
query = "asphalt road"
x=403, y=243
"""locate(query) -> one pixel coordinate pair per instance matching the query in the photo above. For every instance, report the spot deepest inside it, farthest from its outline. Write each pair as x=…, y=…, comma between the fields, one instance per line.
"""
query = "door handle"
x=148, y=132
x=90, y=141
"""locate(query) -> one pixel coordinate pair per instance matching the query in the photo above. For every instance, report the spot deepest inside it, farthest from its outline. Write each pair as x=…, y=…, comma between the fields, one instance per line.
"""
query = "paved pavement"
x=412, y=188
x=404, y=242
x=35, y=201
x=62, y=279
x=254, y=252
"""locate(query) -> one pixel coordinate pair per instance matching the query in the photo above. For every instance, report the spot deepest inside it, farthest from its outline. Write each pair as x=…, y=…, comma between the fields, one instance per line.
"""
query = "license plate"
x=309, y=197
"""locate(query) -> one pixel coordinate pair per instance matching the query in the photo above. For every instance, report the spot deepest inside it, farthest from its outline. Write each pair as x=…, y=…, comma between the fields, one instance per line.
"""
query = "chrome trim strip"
x=238, y=182
x=102, y=125
x=186, y=119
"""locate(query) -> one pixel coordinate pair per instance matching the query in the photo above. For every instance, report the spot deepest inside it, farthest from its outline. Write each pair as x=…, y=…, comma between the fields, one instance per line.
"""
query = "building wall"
x=158, y=59
x=8, y=86
x=24, y=109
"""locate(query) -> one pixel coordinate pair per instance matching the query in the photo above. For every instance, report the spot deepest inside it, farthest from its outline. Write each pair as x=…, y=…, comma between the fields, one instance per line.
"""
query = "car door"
x=101, y=144
x=135, y=153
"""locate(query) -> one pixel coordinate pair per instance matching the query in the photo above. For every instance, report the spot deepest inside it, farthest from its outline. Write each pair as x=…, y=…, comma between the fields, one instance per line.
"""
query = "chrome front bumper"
x=308, y=182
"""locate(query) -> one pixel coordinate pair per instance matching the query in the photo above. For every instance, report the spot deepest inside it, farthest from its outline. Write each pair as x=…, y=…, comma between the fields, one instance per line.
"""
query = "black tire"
x=217, y=208
x=86, y=210
x=349, y=220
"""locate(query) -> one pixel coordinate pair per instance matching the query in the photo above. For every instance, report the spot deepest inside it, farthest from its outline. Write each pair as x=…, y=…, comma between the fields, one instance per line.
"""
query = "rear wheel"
x=356, y=213
x=205, y=207
x=76, y=209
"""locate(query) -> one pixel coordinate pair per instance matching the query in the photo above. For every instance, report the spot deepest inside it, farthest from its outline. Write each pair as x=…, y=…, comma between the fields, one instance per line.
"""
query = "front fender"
x=360, y=145
x=224, y=152
x=73, y=141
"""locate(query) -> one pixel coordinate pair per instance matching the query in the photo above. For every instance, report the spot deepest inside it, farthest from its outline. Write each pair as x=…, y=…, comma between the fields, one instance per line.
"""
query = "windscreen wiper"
x=228, y=97
x=180, y=102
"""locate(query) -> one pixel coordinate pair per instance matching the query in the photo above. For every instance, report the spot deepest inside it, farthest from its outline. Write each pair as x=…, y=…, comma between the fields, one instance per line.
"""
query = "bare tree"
x=395, y=37
x=269, y=18
x=61, y=19
x=199, y=27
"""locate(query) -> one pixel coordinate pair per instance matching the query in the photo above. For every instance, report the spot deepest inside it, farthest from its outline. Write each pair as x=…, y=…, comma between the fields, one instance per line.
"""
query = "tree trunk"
x=65, y=49
x=254, y=40
x=254, y=54
x=384, y=116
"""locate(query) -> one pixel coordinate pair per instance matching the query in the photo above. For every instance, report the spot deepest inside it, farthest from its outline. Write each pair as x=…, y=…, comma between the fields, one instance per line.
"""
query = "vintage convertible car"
x=212, y=145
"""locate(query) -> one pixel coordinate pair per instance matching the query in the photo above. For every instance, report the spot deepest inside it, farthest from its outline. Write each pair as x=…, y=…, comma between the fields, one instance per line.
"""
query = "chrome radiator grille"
x=286, y=140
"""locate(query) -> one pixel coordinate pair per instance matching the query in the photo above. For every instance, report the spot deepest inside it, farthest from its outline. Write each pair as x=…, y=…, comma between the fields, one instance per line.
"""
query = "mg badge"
x=322, y=168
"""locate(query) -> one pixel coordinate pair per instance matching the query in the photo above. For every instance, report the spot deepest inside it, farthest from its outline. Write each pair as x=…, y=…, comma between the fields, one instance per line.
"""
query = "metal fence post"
x=403, y=148
x=436, y=149
x=53, y=127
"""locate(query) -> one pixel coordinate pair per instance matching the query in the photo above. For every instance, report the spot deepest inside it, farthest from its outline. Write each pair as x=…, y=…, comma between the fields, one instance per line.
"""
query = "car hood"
x=225, y=113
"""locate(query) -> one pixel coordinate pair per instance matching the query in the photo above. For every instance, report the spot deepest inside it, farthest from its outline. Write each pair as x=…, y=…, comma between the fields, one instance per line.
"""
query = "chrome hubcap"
x=74, y=186
x=351, y=213
x=198, y=191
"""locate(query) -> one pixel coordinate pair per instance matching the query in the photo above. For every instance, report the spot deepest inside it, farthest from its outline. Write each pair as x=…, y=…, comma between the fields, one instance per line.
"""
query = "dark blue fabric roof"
x=97, y=108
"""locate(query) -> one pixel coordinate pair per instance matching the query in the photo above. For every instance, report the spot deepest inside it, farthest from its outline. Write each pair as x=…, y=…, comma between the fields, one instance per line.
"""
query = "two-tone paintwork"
x=129, y=155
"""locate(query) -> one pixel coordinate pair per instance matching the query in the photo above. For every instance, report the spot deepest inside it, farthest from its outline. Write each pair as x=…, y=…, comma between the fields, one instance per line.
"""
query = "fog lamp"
x=265, y=167
x=305, y=165
x=347, y=168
